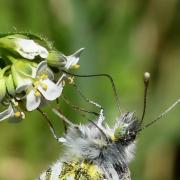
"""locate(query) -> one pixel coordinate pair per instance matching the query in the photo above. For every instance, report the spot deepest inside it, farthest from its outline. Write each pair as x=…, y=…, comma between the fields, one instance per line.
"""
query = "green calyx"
x=56, y=59
x=8, y=45
x=24, y=67
x=24, y=45
x=23, y=73
x=3, y=83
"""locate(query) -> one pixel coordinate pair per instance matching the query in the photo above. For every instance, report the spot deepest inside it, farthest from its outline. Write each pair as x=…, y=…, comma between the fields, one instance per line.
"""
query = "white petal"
x=32, y=101
x=29, y=49
x=73, y=59
x=53, y=91
x=23, y=87
x=43, y=52
x=41, y=66
x=7, y=113
x=44, y=69
x=59, y=82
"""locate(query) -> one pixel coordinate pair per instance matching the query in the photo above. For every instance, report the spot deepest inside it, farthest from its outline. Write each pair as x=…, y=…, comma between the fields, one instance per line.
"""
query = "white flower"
x=13, y=110
x=58, y=60
x=43, y=87
x=29, y=49
x=72, y=60
x=7, y=113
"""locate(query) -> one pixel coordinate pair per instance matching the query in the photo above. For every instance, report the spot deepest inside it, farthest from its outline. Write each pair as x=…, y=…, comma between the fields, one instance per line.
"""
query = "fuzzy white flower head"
x=29, y=49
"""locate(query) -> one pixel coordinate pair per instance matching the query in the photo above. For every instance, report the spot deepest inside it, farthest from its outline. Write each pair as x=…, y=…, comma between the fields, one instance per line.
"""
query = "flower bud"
x=56, y=59
x=21, y=45
x=23, y=73
x=59, y=60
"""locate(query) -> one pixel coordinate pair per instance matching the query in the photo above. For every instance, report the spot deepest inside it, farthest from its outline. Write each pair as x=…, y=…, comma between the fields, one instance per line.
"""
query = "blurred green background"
x=124, y=38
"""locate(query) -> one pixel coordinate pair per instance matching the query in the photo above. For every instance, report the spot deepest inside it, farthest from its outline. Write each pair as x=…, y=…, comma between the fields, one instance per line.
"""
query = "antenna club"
x=147, y=77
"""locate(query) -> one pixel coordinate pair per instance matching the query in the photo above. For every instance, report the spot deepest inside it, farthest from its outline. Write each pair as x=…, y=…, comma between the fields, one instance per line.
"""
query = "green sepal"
x=21, y=81
x=8, y=45
x=56, y=59
x=25, y=67
x=10, y=85
x=2, y=89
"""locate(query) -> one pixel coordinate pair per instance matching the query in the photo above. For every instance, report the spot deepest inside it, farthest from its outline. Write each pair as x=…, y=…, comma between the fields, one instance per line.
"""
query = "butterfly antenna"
x=101, y=75
x=60, y=115
x=77, y=108
x=161, y=115
x=146, y=84
x=71, y=124
x=85, y=98
x=49, y=123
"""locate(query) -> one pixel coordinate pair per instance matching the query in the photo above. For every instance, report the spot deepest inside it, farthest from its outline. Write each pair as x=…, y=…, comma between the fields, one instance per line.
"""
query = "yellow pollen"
x=17, y=114
x=44, y=86
x=44, y=76
x=71, y=80
x=37, y=93
x=36, y=84
x=75, y=66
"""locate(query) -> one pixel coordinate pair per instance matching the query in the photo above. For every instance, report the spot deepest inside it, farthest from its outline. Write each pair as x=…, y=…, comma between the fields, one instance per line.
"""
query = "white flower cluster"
x=27, y=78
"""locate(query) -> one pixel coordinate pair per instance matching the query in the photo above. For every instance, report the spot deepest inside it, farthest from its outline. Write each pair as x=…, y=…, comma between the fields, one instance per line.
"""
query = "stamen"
x=15, y=103
x=44, y=86
x=37, y=93
x=43, y=76
x=17, y=114
x=71, y=80
x=36, y=84
x=63, y=82
x=76, y=66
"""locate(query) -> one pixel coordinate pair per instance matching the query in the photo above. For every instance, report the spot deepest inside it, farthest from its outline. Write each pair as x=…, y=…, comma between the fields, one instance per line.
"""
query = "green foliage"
x=122, y=38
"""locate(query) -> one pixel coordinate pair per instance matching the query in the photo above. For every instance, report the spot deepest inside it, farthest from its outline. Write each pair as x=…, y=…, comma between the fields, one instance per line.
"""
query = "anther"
x=14, y=102
x=71, y=79
x=17, y=114
x=44, y=86
x=75, y=66
x=37, y=93
x=36, y=84
x=43, y=76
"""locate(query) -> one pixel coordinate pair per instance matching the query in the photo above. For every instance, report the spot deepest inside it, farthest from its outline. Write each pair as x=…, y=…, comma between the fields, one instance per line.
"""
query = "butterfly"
x=96, y=151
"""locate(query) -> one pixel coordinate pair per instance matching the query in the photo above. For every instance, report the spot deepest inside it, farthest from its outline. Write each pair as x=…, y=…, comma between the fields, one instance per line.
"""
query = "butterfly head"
x=126, y=128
